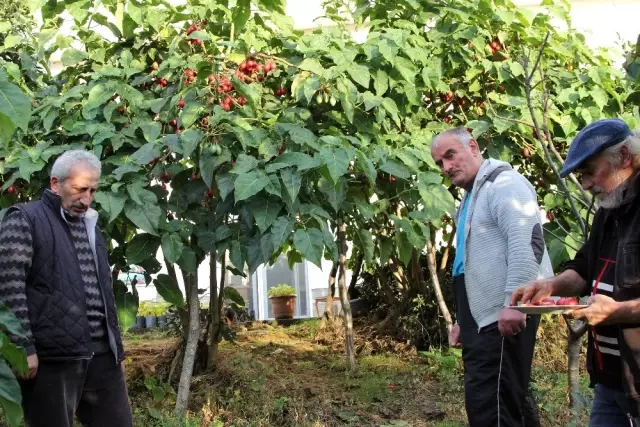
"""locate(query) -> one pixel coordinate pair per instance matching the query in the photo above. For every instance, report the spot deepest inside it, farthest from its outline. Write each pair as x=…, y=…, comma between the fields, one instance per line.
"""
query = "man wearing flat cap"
x=606, y=157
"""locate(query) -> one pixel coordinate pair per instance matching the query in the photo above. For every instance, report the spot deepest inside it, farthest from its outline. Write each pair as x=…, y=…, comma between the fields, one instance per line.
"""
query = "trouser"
x=93, y=390
x=496, y=369
x=610, y=408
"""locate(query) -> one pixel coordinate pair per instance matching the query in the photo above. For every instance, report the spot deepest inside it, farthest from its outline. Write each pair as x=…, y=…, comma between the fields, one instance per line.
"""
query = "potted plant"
x=140, y=321
x=146, y=311
x=161, y=313
x=283, y=301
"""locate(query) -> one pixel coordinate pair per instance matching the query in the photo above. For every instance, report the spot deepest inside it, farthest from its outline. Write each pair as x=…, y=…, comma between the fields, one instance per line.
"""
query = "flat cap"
x=591, y=140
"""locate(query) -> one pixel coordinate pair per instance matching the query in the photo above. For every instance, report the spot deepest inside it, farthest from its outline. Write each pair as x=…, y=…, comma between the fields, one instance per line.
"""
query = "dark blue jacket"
x=55, y=289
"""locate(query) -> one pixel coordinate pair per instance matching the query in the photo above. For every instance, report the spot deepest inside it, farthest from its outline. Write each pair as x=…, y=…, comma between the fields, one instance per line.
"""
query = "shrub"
x=281, y=290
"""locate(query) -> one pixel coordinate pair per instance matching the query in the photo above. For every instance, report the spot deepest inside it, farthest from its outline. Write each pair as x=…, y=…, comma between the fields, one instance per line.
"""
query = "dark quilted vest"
x=55, y=289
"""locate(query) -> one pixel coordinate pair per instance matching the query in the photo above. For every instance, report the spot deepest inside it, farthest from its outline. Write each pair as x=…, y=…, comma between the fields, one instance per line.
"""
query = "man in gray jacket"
x=499, y=247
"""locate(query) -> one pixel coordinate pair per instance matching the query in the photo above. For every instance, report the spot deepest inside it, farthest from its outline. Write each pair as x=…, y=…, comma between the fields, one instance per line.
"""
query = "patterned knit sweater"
x=16, y=251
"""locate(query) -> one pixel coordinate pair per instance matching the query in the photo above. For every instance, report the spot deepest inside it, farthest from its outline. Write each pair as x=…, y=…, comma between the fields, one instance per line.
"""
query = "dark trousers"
x=93, y=390
x=496, y=369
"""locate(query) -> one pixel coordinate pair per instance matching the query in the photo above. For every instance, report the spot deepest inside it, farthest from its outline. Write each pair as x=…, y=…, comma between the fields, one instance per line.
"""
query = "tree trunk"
x=223, y=277
x=183, y=314
x=214, y=311
x=433, y=272
x=216, y=314
x=328, y=309
x=346, y=306
x=182, y=399
x=355, y=274
x=575, y=333
x=445, y=257
x=416, y=273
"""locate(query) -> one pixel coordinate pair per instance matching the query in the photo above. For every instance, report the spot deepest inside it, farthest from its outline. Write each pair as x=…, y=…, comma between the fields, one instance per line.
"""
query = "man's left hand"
x=122, y=367
x=510, y=322
x=602, y=309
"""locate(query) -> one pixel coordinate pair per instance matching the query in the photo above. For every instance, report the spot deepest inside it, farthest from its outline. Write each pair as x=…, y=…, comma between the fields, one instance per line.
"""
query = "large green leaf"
x=310, y=244
x=188, y=262
x=280, y=231
x=111, y=202
x=244, y=164
x=252, y=92
x=189, y=115
x=436, y=197
x=331, y=247
x=209, y=162
x=360, y=74
x=395, y=168
x=233, y=295
x=169, y=290
x=301, y=161
x=141, y=247
x=147, y=152
x=141, y=195
x=364, y=206
x=365, y=242
x=226, y=183
x=151, y=131
x=172, y=247
x=392, y=108
x=478, y=127
x=147, y=218
x=236, y=255
x=190, y=139
x=335, y=194
x=405, y=248
x=381, y=82
x=10, y=396
x=291, y=181
x=9, y=322
x=265, y=211
x=337, y=161
x=406, y=68
x=249, y=184
x=313, y=65
x=386, y=248
x=15, y=109
x=365, y=165
x=98, y=95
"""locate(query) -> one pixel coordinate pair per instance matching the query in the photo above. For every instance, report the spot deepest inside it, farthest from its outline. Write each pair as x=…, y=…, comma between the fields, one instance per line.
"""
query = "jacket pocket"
x=630, y=265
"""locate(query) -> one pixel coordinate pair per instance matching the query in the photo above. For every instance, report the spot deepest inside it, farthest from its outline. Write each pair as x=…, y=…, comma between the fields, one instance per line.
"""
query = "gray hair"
x=460, y=133
x=62, y=166
x=632, y=142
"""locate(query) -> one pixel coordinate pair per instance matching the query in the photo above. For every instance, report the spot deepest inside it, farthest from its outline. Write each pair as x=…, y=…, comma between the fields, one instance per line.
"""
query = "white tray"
x=547, y=309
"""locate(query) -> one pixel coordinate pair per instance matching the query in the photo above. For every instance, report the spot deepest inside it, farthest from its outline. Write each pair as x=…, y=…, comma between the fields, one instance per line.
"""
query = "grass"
x=295, y=376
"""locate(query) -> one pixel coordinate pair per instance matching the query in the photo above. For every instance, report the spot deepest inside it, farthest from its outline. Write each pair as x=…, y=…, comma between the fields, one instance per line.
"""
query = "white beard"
x=613, y=198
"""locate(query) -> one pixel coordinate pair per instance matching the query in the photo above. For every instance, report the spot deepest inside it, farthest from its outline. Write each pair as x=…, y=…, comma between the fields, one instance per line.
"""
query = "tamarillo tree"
x=226, y=134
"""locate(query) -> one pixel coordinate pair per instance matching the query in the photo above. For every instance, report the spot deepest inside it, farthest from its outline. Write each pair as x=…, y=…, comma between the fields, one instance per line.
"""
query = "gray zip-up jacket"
x=504, y=246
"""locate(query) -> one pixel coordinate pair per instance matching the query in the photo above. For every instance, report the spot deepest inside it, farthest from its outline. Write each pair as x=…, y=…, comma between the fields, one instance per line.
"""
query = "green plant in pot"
x=283, y=301
x=146, y=310
x=161, y=310
x=140, y=315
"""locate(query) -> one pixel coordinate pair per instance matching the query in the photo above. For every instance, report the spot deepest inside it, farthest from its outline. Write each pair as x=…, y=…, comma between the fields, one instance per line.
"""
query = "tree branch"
x=560, y=239
x=538, y=59
x=509, y=119
x=563, y=184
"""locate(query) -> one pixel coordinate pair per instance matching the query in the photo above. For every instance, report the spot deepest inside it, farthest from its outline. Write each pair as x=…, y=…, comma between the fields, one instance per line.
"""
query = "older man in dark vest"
x=55, y=277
